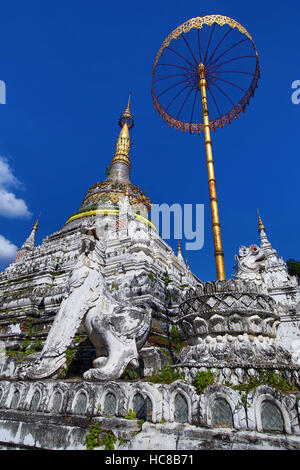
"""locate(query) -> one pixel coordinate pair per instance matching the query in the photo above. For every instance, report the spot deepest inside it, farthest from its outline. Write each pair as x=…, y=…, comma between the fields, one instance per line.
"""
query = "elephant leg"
x=46, y=366
x=99, y=361
x=119, y=355
x=134, y=364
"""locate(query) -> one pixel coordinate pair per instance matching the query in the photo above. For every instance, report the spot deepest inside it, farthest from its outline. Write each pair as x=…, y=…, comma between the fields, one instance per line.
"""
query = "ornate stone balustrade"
x=228, y=307
x=230, y=324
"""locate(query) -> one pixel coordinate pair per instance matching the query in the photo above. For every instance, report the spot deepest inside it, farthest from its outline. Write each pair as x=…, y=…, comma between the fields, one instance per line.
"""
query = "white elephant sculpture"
x=116, y=329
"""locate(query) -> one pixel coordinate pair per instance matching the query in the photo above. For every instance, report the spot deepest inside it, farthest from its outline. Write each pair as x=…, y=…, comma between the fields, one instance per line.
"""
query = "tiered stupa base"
x=231, y=329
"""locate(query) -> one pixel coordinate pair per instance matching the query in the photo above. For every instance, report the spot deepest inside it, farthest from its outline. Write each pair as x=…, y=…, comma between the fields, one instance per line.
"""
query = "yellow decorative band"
x=145, y=221
x=111, y=212
x=121, y=158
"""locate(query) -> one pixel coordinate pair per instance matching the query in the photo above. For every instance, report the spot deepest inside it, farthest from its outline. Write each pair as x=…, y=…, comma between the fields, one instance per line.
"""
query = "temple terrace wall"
x=57, y=415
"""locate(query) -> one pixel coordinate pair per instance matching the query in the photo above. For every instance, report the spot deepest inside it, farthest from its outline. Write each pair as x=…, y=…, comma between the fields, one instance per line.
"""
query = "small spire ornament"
x=179, y=253
x=127, y=116
x=122, y=148
x=260, y=223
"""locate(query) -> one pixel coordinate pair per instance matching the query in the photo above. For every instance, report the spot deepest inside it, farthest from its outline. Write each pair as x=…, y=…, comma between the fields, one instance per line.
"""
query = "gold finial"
x=201, y=70
x=37, y=223
x=123, y=142
x=178, y=247
x=260, y=223
x=126, y=117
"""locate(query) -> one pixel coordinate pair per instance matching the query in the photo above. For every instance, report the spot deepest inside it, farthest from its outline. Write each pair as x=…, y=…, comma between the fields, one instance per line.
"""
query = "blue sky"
x=68, y=68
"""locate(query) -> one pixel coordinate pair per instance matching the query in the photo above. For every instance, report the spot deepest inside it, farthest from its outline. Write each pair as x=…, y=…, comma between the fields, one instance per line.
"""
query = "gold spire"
x=260, y=223
x=178, y=247
x=123, y=142
x=127, y=116
x=123, y=147
x=37, y=223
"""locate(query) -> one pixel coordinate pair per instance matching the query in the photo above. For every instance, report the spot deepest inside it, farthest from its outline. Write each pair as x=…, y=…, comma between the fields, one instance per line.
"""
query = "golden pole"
x=211, y=179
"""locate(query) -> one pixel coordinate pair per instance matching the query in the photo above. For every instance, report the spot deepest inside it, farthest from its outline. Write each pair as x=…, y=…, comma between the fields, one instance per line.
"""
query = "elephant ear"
x=131, y=322
x=243, y=251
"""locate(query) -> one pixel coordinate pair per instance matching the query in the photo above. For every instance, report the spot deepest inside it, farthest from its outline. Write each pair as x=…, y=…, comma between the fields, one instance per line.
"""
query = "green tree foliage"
x=202, y=380
x=167, y=375
x=293, y=267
